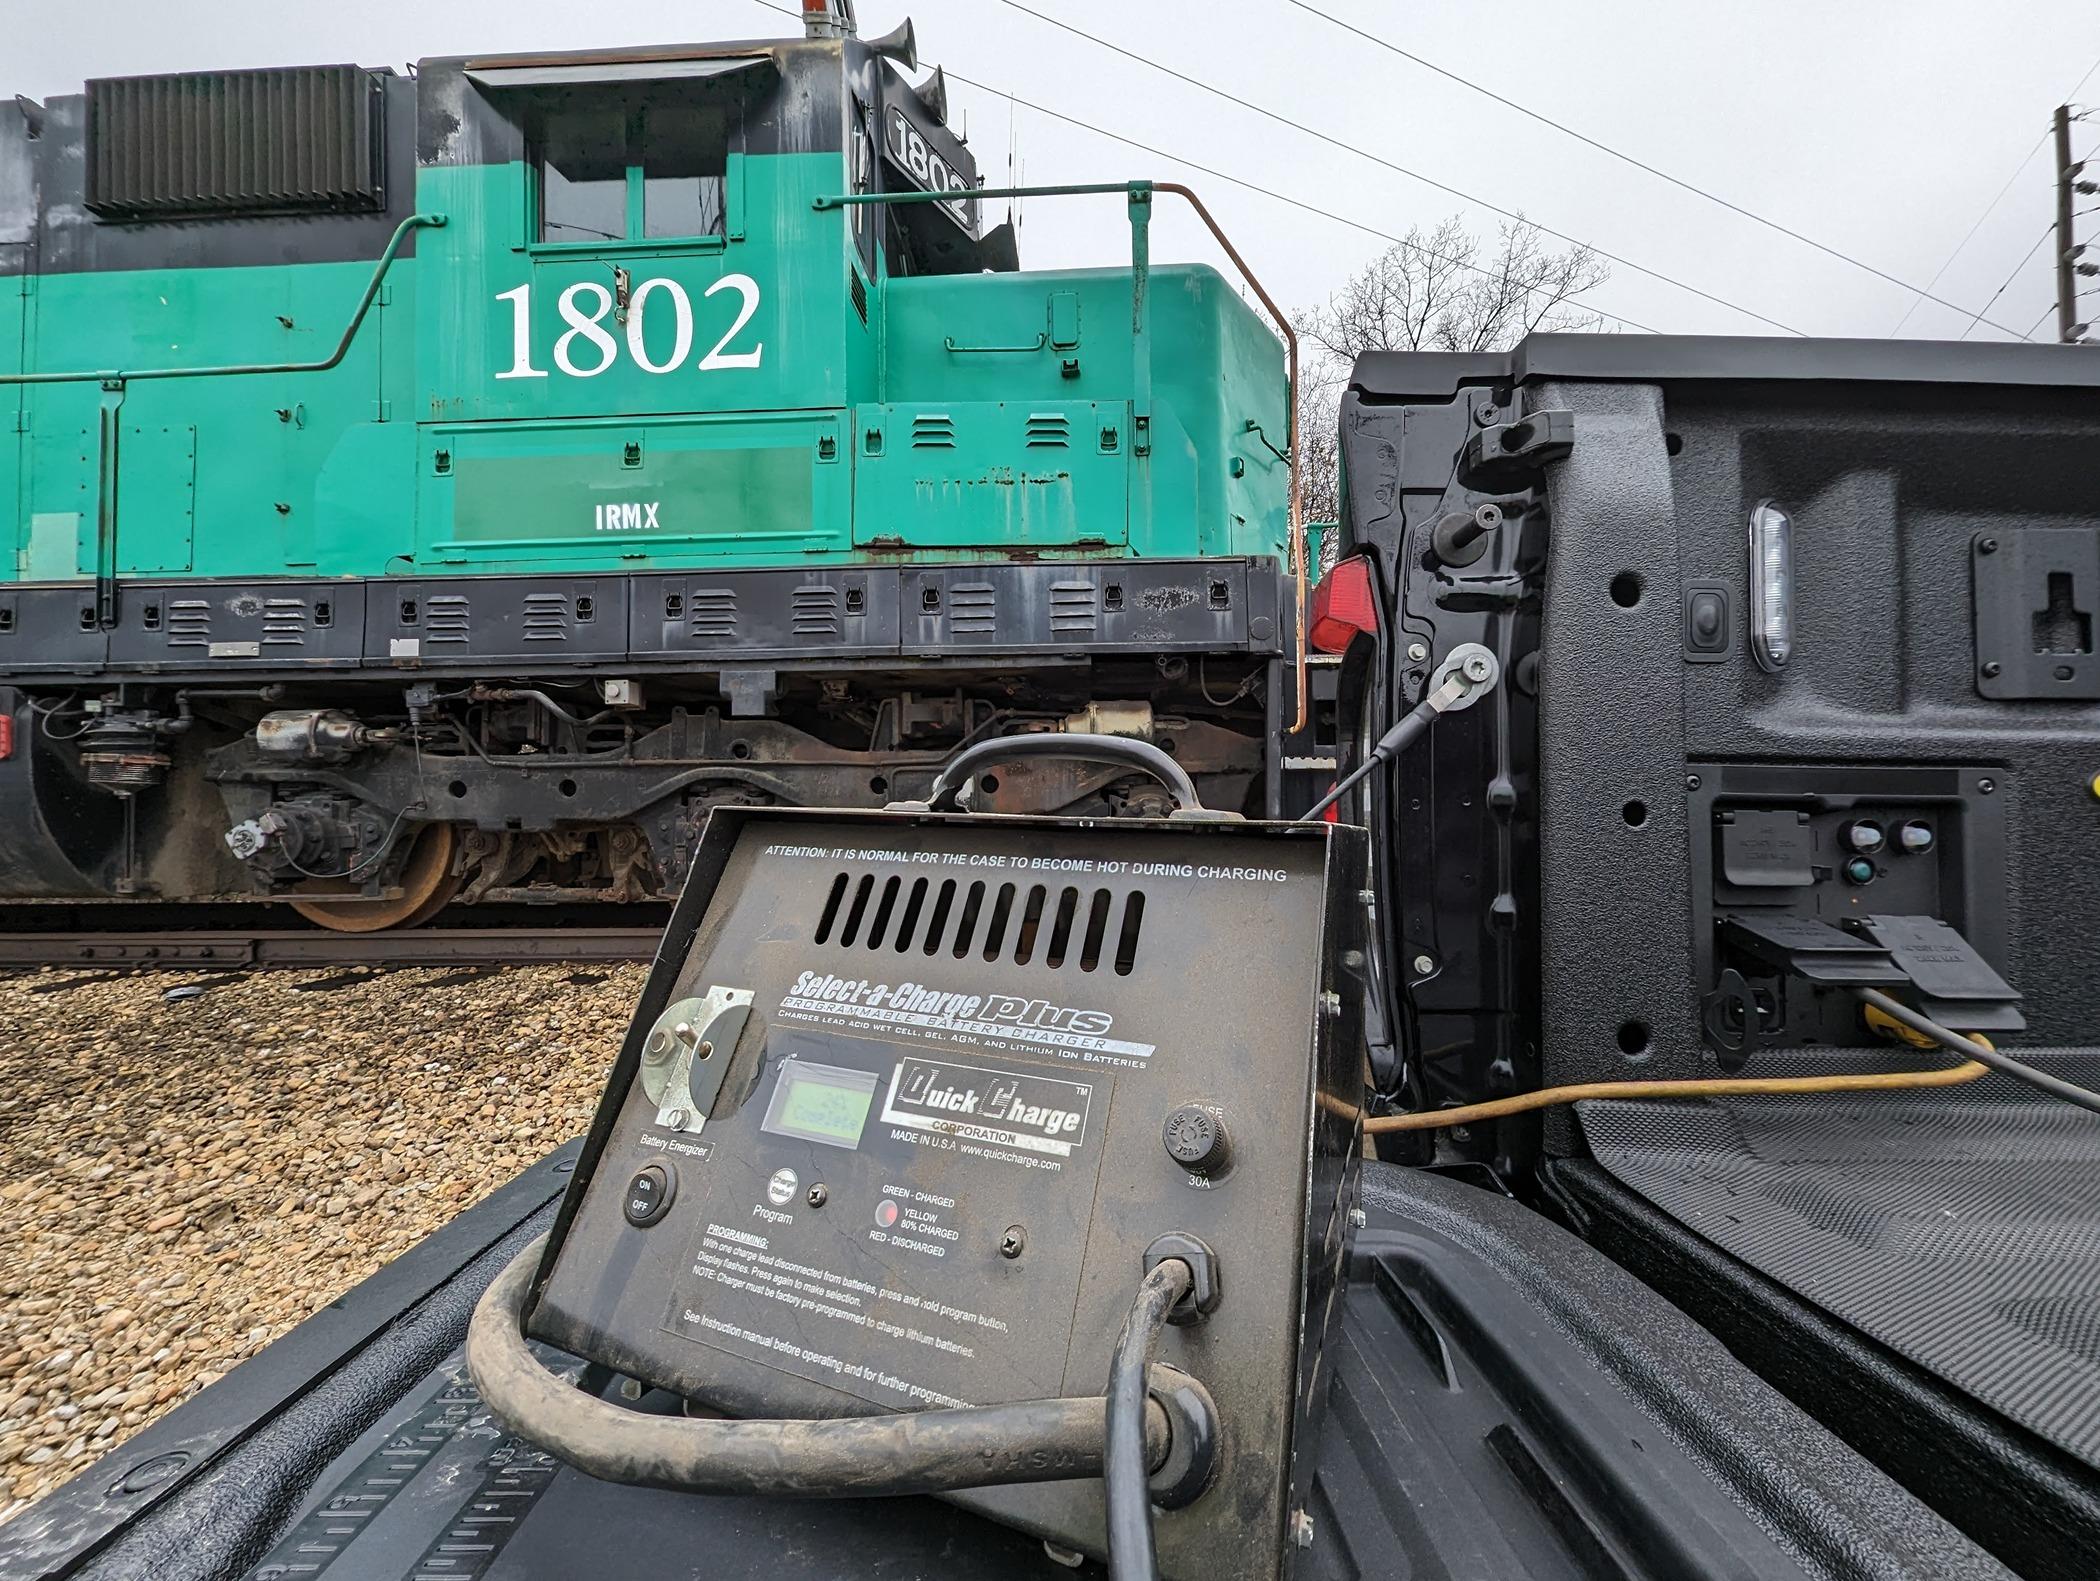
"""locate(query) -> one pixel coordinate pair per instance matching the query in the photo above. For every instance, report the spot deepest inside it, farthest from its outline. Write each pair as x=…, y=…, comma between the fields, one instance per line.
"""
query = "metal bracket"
x=750, y=692
x=2037, y=604
x=1467, y=674
x=686, y=1054
x=1502, y=458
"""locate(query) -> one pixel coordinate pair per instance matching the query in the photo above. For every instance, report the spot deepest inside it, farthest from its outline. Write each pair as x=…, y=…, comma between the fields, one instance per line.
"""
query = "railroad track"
x=195, y=948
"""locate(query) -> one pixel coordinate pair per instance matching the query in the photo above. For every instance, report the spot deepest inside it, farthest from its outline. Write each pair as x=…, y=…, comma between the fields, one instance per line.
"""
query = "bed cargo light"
x=1342, y=606
x=1771, y=587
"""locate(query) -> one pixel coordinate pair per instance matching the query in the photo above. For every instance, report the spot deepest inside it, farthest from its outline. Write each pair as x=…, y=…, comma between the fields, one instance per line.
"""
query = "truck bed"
x=1506, y=1402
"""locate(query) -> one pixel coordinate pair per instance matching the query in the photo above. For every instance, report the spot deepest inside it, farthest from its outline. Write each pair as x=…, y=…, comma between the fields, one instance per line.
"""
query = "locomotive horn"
x=933, y=93
x=899, y=44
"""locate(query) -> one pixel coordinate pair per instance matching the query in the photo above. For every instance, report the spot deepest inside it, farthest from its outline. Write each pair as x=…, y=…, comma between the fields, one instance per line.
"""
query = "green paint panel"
x=985, y=474
x=612, y=493
x=740, y=369
x=157, y=467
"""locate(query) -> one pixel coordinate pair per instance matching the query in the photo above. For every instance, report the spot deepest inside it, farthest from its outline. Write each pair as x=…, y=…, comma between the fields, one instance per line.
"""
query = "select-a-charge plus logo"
x=1009, y=1020
x=1038, y=1113
x=917, y=999
x=627, y=516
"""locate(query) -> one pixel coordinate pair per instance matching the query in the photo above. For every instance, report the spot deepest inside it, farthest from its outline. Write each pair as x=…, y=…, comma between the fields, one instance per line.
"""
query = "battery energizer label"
x=922, y=1010
x=1038, y=1114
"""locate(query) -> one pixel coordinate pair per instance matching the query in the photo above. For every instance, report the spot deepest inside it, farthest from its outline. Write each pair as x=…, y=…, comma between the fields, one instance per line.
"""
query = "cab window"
x=611, y=173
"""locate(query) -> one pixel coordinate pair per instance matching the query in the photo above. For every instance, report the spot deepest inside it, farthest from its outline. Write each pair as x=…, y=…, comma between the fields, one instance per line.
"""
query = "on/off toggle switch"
x=649, y=1195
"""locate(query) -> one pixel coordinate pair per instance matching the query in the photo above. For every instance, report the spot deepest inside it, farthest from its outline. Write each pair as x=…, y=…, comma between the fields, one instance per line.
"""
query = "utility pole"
x=2066, y=247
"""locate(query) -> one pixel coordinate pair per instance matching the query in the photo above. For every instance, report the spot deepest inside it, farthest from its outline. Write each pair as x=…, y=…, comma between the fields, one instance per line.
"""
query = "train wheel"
x=428, y=884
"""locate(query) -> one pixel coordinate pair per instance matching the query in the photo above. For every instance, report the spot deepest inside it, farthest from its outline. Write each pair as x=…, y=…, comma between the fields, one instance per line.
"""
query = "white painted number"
x=682, y=318
x=521, y=366
x=584, y=306
x=587, y=326
x=747, y=288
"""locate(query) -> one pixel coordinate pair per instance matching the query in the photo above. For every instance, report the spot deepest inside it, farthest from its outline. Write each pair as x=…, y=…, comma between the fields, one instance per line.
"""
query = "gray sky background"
x=1880, y=127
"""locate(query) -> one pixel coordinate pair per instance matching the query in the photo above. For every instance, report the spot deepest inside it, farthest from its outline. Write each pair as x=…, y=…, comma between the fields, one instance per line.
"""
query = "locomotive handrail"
x=122, y=376
x=1139, y=194
x=114, y=381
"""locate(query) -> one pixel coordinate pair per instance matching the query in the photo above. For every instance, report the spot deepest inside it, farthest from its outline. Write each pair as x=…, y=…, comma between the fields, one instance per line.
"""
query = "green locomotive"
x=451, y=485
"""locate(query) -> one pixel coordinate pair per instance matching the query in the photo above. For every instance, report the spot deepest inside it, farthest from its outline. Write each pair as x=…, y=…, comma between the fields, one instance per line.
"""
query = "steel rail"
x=192, y=949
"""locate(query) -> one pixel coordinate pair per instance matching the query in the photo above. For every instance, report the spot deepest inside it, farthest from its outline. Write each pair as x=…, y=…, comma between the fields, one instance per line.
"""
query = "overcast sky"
x=1882, y=128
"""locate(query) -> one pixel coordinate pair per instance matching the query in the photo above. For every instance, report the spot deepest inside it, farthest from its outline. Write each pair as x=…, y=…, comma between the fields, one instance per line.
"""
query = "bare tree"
x=1444, y=291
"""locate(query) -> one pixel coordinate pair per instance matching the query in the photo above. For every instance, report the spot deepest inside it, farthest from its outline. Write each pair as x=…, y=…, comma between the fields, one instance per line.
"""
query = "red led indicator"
x=886, y=1213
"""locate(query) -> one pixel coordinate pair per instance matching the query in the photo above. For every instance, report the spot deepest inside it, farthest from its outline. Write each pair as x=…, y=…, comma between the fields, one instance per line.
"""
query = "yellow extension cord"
x=1716, y=1087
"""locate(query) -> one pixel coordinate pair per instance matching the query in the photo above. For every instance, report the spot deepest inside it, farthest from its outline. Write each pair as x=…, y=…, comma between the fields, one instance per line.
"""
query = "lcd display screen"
x=820, y=1103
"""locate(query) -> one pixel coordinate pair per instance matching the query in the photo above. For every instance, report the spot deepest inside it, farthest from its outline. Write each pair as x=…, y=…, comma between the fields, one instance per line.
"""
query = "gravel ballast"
x=182, y=1182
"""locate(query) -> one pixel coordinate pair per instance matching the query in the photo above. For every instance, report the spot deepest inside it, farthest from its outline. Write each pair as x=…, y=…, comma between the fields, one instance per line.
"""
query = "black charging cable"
x=1125, y=1470
x=1981, y=1053
x=933, y=1451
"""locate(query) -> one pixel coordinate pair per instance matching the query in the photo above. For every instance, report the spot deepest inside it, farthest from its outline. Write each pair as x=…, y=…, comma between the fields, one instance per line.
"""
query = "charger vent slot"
x=1003, y=922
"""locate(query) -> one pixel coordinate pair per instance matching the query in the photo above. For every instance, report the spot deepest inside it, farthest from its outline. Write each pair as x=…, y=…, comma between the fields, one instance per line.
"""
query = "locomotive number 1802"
x=587, y=347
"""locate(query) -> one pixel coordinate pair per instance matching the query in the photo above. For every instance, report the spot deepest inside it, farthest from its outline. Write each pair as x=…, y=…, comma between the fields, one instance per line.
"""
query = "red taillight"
x=7, y=737
x=1343, y=605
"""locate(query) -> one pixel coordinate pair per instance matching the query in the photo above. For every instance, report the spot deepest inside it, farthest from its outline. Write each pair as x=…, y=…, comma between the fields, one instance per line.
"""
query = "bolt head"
x=1991, y=669
x=1986, y=786
x=1424, y=965
x=1478, y=667
x=1013, y=1241
x=1358, y=1218
x=676, y=1120
x=816, y=1196
x=1691, y=782
x=1987, y=546
x=1418, y=651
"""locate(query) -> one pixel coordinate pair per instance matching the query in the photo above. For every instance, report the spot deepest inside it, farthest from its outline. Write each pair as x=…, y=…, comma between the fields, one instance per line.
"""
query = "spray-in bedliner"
x=1959, y=1228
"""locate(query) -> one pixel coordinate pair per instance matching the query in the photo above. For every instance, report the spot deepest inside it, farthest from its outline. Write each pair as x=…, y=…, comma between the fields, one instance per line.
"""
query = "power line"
x=1992, y=207
x=2047, y=232
x=2037, y=324
x=1240, y=181
x=1413, y=175
x=1923, y=293
x=1267, y=192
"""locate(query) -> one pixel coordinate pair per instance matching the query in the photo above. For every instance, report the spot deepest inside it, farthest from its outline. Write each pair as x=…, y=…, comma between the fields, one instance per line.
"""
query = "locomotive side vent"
x=449, y=618
x=815, y=610
x=290, y=140
x=1072, y=606
x=973, y=606
x=1058, y=927
x=189, y=623
x=284, y=622
x=933, y=431
x=546, y=617
x=1047, y=430
x=714, y=612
